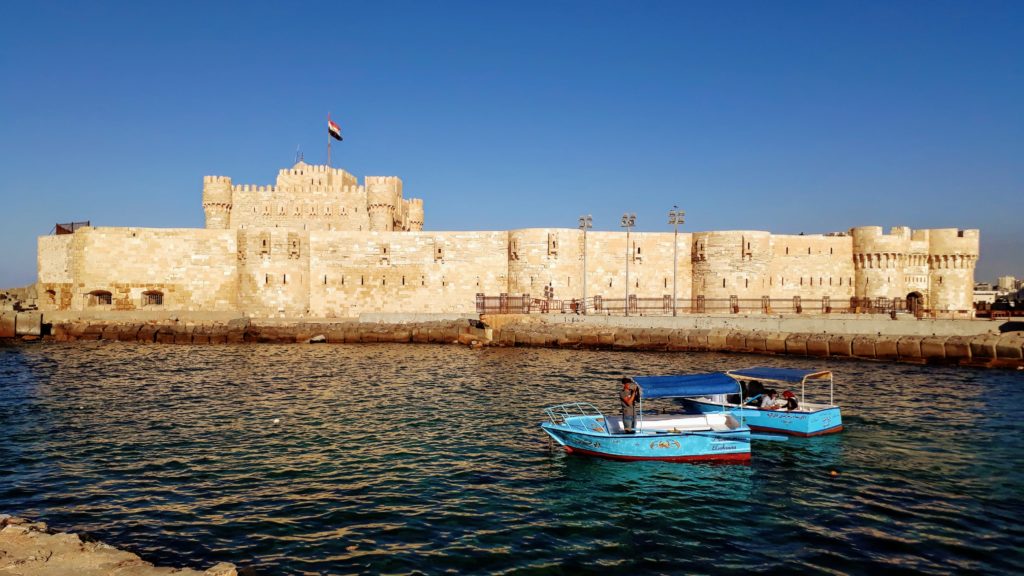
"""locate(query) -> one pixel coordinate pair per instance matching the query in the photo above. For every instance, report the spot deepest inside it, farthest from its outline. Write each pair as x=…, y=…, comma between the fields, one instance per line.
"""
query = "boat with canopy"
x=581, y=428
x=807, y=419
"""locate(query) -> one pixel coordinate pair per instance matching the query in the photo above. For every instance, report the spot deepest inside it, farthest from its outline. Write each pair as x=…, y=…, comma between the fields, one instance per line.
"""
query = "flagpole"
x=328, y=140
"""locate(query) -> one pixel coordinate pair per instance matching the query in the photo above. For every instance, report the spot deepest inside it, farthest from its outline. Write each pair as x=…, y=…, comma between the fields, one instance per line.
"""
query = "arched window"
x=51, y=296
x=152, y=298
x=100, y=298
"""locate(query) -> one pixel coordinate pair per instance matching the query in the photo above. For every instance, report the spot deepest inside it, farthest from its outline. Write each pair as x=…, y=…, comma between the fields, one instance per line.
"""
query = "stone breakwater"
x=33, y=549
x=980, y=350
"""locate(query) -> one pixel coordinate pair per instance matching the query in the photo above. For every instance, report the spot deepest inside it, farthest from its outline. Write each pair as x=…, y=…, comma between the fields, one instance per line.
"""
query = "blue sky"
x=782, y=116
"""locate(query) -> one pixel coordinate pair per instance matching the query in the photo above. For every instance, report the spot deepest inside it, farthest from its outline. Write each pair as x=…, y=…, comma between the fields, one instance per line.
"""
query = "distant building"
x=320, y=244
x=1007, y=283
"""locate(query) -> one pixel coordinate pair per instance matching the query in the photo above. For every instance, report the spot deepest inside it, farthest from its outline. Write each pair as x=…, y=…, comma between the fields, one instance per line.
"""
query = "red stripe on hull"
x=832, y=430
x=734, y=457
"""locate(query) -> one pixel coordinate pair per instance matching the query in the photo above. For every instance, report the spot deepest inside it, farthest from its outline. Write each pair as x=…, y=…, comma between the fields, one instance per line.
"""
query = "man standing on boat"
x=627, y=396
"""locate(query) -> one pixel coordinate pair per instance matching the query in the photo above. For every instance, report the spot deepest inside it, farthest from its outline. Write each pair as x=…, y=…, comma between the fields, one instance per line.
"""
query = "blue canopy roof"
x=686, y=385
x=790, y=375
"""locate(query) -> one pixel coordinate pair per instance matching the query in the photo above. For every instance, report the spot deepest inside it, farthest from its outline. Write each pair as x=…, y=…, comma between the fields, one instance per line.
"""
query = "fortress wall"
x=274, y=271
x=56, y=272
x=195, y=269
x=811, y=266
x=650, y=265
x=356, y=272
x=545, y=260
x=731, y=263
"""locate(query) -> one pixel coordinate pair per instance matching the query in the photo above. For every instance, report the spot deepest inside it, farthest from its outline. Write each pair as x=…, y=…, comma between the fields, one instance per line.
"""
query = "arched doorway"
x=915, y=303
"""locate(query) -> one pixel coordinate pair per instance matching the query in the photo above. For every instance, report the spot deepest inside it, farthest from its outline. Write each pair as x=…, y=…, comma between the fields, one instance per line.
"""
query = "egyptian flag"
x=334, y=130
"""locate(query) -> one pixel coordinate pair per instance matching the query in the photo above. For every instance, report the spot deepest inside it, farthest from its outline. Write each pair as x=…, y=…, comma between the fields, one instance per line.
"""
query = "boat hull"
x=709, y=446
x=816, y=423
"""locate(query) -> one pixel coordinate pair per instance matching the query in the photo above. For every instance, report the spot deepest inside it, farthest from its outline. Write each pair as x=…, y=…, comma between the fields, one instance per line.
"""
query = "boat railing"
x=575, y=415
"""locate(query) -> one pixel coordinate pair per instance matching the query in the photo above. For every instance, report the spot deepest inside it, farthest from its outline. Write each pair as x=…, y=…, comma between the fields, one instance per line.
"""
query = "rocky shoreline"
x=987, y=350
x=33, y=549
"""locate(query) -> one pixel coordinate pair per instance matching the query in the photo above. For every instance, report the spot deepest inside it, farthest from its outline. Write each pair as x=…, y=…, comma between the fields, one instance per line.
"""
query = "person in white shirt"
x=769, y=400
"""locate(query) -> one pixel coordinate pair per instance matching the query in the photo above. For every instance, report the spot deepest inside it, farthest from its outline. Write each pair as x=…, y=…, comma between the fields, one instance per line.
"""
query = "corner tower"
x=952, y=255
x=879, y=261
x=217, y=201
x=414, y=220
x=382, y=196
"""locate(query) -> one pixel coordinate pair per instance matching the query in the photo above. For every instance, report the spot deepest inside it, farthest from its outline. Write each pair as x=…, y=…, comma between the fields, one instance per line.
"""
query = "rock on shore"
x=32, y=549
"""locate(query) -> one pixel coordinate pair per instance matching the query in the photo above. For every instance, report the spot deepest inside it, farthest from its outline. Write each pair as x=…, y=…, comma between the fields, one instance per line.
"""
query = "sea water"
x=427, y=459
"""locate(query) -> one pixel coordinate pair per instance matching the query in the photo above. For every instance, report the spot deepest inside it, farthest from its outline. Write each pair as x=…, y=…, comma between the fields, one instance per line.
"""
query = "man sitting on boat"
x=627, y=396
x=769, y=401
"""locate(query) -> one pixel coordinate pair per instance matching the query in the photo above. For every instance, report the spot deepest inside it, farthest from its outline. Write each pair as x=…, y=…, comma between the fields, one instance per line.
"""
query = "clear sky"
x=782, y=116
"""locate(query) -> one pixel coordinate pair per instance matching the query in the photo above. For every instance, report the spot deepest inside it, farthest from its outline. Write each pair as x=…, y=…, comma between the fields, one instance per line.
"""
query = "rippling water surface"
x=426, y=459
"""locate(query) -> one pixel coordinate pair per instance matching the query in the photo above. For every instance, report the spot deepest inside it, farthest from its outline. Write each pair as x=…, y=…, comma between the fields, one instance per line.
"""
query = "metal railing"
x=662, y=306
x=582, y=416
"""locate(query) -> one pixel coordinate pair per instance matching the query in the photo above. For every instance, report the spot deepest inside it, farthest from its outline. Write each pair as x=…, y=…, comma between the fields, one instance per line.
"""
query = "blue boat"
x=808, y=419
x=581, y=428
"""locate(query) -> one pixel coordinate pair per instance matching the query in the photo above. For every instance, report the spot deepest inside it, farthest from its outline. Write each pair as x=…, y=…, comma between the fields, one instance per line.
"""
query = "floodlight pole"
x=675, y=218
x=628, y=221
x=586, y=222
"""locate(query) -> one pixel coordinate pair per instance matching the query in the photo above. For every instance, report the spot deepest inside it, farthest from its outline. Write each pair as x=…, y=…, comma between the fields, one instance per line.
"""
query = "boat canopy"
x=789, y=375
x=686, y=385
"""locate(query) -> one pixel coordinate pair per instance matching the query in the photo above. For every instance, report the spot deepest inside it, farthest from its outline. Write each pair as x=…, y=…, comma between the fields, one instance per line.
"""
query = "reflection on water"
x=401, y=458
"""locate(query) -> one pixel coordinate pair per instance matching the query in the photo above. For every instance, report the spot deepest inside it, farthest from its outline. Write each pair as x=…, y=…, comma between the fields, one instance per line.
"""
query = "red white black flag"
x=333, y=129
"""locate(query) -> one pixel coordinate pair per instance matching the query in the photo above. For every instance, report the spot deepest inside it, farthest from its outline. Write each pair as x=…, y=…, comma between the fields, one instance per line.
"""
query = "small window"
x=152, y=298
x=51, y=296
x=100, y=298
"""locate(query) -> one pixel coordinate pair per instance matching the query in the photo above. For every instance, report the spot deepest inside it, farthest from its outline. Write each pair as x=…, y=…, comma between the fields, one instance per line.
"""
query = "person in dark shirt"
x=628, y=396
x=790, y=400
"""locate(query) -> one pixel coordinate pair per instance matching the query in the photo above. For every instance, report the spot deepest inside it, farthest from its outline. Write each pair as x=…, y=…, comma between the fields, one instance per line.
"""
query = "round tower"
x=731, y=263
x=217, y=201
x=879, y=262
x=415, y=214
x=952, y=255
x=380, y=202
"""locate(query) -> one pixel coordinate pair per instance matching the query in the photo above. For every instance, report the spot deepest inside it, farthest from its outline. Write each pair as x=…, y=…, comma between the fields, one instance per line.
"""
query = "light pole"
x=628, y=221
x=675, y=218
x=586, y=223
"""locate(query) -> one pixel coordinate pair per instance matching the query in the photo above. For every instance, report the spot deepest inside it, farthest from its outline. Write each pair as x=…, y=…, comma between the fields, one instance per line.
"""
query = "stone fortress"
x=320, y=245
